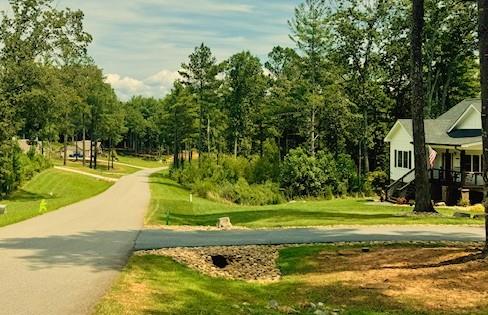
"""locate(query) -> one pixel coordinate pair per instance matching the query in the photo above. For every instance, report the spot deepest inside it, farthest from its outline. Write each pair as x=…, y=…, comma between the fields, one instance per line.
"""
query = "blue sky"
x=141, y=44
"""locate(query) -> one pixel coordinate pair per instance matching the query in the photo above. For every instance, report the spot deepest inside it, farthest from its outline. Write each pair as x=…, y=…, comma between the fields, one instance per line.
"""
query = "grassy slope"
x=58, y=188
x=168, y=195
x=140, y=162
x=157, y=285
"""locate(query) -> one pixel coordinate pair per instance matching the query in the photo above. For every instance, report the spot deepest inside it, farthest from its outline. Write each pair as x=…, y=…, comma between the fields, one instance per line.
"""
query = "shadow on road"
x=99, y=251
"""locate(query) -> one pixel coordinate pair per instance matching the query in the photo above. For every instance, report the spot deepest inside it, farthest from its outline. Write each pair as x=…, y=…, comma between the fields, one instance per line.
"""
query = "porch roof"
x=436, y=133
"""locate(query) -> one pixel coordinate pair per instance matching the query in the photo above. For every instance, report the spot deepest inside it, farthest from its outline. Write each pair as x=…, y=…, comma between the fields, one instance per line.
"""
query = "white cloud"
x=157, y=85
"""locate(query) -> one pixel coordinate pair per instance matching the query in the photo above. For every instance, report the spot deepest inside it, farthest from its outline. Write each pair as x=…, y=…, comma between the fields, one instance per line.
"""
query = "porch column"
x=463, y=173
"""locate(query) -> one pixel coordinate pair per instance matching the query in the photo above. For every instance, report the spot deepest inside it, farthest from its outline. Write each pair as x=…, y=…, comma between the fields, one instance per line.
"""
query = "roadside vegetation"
x=390, y=279
x=266, y=179
x=171, y=203
x=48, y=191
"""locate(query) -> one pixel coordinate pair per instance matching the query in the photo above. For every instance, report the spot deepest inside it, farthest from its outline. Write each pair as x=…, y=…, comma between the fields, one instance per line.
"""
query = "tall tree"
x=246, y=87
x=200, y=75
x=423, y=199
x=483, y=47
x=180, y=117
x=310, y=33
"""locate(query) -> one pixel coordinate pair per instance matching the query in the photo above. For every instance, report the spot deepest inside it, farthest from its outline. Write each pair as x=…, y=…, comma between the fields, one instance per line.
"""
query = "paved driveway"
x=155, y=239
x=64, y=261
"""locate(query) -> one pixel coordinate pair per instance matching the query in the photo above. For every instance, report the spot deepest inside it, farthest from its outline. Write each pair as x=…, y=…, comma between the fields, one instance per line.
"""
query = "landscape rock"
x=273, y=304
x=320, y=312
x=224, y=223
x=441, y=204
x=462, y=215
x=250, y=263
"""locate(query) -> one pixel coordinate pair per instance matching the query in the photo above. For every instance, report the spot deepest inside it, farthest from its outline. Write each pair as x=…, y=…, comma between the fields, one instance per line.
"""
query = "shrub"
x=227, y=180
x=304, y=175
x=477, y=208
x=402, y=201
x=464, y=202
x=17, y=167
x=255, y=195
x=378, y=180
x=267, y=167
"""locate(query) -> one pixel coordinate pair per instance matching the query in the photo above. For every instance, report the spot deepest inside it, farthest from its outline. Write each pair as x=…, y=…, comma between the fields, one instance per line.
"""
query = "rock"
x=441, y=204
x=273, y=304
x=320, y=304
x=312, y=305
x=479, y=216
x=320, y=312
x=365, y=250
x=462, y=215
x=224, y=223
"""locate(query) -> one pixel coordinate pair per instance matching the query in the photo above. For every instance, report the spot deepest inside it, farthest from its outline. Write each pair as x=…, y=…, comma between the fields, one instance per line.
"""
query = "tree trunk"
x=65, y=155
x=95, y=156
x=235, y=144
x=84, y=139
x=312, y=133
x=208, y=135
x=423, y=200
x=483, y=40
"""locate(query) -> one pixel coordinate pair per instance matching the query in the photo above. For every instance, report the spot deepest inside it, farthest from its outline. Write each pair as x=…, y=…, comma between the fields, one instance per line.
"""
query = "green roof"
x=436, y=130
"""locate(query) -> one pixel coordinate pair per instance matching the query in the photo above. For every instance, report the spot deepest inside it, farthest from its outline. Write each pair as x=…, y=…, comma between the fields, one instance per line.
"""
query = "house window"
x=403, y=159
x=472, y=163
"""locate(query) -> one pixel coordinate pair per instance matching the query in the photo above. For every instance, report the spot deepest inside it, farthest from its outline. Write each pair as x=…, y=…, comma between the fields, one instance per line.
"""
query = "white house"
x=454, y=139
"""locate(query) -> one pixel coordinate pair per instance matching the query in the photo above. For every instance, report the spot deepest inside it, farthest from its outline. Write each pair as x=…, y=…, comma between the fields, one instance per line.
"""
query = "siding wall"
x=400, y=141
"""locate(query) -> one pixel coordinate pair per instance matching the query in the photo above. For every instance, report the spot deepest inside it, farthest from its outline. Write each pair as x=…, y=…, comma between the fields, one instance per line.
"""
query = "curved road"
x=64, y=261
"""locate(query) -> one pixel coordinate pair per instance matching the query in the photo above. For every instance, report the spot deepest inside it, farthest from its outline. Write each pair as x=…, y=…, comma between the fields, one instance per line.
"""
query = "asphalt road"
x=156, y=239
x=64, y=261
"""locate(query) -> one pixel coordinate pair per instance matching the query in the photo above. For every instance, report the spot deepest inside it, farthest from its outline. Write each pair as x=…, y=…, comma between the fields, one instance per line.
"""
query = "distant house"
x=455, y=148
x=26, y=145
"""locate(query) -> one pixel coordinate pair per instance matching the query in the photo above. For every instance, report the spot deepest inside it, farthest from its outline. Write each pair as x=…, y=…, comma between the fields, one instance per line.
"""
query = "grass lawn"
x=394, y=279
x=168, y=195
x=137, y=161
x=102, y=169
x=56, y=187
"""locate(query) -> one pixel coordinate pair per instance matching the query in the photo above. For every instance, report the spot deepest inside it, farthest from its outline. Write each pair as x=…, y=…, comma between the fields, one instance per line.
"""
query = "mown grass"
x=56, y=187
x=140, y=162
x=153, y=284
x=102, y=168
x=168, y=195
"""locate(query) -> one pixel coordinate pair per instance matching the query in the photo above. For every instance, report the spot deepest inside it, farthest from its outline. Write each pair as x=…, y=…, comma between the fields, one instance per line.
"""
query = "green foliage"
x=228, y=180
x=267, y=167
x=316, y=176
x=17, y=167
x=378, y=180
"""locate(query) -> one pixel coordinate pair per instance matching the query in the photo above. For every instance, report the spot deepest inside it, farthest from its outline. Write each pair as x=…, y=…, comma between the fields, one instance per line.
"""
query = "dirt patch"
x=250, y=263
x=432, y=278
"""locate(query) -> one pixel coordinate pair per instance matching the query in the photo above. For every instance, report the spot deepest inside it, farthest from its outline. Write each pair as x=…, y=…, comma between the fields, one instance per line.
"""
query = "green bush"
x=254, y=195
x=378, y=180
x=303, y=175
x=17, y=167
x=267, y=167
x=228, y=179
